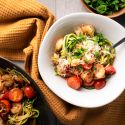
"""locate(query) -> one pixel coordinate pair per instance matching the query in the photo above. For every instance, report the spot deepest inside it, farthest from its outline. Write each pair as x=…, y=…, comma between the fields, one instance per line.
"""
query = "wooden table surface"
x=63, y=7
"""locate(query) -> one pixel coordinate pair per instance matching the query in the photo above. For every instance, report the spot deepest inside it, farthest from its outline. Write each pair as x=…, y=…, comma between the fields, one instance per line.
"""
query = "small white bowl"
x=83, y=97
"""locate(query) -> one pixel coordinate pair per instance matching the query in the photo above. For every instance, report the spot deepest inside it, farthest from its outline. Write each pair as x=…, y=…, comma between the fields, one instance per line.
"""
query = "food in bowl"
x=105, y=7
x=85, y=58
x=83, y=97
x=16, y=98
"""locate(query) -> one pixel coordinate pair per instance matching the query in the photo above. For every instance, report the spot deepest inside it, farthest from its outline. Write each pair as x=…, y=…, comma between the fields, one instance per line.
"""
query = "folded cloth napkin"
x=23, y=24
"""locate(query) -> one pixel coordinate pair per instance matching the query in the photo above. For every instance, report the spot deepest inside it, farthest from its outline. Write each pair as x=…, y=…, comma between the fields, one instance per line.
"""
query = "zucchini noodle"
x=71, y=40
x=14, y=72
x=107, y=59
x=84, y=54
x=28, y=112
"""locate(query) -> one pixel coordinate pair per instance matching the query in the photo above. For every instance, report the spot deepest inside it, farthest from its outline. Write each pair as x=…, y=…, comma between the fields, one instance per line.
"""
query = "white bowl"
x=83, y=97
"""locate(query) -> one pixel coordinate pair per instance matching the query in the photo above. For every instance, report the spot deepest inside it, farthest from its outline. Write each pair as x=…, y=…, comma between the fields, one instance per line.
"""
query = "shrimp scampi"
x=85, y=57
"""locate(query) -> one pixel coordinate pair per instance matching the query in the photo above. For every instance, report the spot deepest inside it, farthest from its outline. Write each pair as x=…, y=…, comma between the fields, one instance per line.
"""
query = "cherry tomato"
x=4, y=95
x=74, y=82
x=87, y=66
x=99, y=84
x=29, y=92
x=89, y=84
x=7, y=104
x=110, y=70
x=15, y=95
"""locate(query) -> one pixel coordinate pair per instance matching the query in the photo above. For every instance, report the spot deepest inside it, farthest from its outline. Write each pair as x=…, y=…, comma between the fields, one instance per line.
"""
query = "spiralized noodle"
x=84, y=53
x=28, y=112
x=21, y=110
x=70, y=41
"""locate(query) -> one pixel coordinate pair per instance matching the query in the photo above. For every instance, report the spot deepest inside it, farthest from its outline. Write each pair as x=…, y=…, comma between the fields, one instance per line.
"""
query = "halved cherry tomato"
x=29, y=92
x=99, y=84
x=4, y=95
x=110, y=70
x=7, y=104
x=87, y=66
x=74, y=82
x=89, y=84
x=15, y=95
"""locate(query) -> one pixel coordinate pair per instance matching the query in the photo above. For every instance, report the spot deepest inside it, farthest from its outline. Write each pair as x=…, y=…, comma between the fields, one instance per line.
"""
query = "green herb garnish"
x=96, y=53
x=79, y=52
x=80, y=68
x=71, y=40
x=105, y=7
x=101, y=40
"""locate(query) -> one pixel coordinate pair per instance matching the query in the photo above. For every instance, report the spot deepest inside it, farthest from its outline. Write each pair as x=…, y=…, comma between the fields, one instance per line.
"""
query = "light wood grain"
x=63, y=7
x=51, y=4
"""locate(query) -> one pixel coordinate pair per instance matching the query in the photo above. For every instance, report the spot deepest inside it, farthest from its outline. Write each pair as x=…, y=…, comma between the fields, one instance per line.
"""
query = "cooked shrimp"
x=87, y=76
x=59, y=44
x=7, y=80
x=99, y=71
x=78, y=30
x=88, y=30
x=16, y=108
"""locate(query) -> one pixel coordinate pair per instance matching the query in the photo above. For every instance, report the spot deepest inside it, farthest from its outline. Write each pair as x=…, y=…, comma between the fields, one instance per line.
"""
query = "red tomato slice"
x=7, y=104
x=110, y=70
x=4, y=95
x=29, y=92
x=89, y=84
x=87, y=66
x=74, y=82
x=99, y=84
x=15, y=95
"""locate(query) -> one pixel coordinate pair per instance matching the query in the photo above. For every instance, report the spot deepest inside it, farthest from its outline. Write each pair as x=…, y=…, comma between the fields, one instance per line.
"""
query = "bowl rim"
x=42, y=48
x=113, y=15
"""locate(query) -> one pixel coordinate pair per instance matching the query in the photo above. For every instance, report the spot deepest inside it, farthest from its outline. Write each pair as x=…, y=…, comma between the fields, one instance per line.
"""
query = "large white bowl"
x=83, y=97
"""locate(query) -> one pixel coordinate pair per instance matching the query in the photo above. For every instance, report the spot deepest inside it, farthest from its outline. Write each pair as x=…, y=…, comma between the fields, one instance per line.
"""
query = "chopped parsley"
x=79, y=52
x=105, y=7
x=96, y=53
x=71, y=40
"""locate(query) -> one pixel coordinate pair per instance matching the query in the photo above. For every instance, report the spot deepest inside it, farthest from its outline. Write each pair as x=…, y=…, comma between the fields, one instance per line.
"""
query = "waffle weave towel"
x=23, y=24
